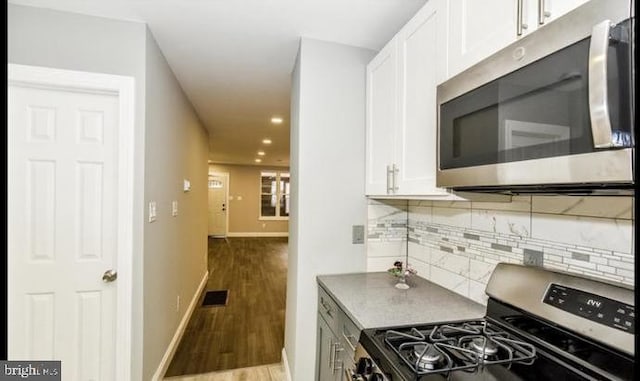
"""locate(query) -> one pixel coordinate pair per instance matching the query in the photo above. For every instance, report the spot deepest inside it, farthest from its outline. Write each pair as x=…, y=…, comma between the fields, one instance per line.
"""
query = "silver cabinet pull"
x=520, y=24
x=336, y=349
x=542, y=12
x=327, y=307
x=348, y=340
x=389, y=173
x=395, y=178
x=598, y=98
x=109, y=276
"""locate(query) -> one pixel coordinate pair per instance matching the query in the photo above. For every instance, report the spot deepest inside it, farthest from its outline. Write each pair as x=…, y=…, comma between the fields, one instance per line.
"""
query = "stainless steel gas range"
x=539, y=325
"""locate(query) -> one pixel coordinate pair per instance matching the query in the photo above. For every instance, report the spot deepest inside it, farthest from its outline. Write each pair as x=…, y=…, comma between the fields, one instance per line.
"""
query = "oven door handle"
x=598, y=97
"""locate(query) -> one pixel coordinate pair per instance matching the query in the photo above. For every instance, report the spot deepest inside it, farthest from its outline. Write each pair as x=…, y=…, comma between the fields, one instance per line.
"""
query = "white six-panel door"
x=63, y=233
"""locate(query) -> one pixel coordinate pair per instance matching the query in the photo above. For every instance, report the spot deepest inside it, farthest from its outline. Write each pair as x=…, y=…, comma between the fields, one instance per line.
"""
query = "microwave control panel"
x=596, y=308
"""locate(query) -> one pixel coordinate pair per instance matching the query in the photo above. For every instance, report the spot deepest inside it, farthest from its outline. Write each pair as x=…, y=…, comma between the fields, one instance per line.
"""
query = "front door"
x=63, y=228
x=218, y=206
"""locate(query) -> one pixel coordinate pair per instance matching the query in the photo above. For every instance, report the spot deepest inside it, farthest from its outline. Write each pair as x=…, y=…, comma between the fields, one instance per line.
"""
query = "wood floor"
x=249, y=330
x=273, y=372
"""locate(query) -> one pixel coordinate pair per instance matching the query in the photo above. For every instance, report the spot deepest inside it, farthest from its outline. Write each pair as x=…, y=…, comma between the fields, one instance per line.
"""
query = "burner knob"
x=364, y=366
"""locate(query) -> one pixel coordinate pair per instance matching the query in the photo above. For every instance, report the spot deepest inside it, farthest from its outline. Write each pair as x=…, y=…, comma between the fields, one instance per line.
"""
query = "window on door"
x=274, y=195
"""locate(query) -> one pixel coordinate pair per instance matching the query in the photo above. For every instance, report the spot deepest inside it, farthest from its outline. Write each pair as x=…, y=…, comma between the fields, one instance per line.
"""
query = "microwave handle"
x=598, y=98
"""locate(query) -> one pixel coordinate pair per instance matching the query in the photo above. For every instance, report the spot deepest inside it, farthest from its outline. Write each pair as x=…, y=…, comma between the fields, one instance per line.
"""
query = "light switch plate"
x=152, y=211
x=187, y=185
x=357, y=234
x=174, y=208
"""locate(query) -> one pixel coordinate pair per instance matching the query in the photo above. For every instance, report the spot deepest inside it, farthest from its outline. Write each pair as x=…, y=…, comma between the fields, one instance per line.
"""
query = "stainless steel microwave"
x=553, y=111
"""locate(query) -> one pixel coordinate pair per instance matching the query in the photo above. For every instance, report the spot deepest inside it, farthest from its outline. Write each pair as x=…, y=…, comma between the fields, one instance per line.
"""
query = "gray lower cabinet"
x=337, y=339
x=329, y=364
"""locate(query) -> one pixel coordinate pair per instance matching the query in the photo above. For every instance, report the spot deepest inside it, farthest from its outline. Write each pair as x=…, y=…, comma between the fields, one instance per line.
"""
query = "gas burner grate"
x=467, y=346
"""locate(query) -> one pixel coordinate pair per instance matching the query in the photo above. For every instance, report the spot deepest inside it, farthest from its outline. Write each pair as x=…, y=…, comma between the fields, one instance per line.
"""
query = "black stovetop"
x=523, y=348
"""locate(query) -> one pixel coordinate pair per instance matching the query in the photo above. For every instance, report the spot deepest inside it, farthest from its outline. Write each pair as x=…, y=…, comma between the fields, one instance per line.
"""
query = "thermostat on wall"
x=187, y=185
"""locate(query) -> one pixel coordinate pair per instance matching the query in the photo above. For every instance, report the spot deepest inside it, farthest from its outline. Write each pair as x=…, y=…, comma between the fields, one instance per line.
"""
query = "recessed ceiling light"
x=260, y=153
x=258, y=160
x=266, y=141
x=276, y=120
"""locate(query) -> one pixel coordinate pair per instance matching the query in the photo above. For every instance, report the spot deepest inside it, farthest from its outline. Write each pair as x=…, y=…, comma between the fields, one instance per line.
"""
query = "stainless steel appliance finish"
x=539, y=325
x=522, y=166
x=525, y=287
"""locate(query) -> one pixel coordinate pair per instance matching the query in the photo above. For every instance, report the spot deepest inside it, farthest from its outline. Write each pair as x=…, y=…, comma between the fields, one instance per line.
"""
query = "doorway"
x=218, y=204
x=69, y=252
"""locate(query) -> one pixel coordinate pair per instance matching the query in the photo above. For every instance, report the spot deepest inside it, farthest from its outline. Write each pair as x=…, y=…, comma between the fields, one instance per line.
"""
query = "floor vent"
x=215, y=298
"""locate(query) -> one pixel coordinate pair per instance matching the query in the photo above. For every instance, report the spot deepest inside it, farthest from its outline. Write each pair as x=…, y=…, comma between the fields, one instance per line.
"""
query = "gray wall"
x=327, y=171
x=43, y=37
x=175, y=260
x=170, y=145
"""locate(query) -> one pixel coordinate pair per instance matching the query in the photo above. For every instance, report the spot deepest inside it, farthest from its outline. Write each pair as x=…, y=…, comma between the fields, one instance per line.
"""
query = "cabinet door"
x=479, y=28
x=381, y=118
x=422, y=65
x=326, y=355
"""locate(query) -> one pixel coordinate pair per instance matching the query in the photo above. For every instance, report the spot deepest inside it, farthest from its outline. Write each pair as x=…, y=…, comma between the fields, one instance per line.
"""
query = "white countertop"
x=372, y=301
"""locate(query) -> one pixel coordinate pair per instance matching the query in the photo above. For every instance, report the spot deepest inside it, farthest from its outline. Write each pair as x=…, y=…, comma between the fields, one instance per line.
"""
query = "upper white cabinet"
x=479, y=28
x=382, y=116
x=401, y=107
x=442, y=39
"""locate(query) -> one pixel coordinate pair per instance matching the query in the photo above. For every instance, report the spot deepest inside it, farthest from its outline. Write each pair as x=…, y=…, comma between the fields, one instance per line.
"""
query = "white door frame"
x=123, y=88
x=225, y=175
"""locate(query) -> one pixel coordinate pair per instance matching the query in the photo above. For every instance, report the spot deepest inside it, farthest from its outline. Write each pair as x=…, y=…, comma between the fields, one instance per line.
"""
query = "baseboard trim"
x=285, y=366
x=173, y=345
x=258, y=234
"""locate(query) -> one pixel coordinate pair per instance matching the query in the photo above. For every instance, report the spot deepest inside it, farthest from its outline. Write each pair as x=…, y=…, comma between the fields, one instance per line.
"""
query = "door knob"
x=109, y=276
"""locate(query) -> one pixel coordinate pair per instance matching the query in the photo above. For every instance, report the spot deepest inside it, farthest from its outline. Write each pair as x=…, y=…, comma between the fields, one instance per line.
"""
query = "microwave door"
x=541, y=111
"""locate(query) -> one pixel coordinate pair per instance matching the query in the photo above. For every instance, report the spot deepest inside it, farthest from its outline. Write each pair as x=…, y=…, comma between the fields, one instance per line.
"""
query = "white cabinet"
x=401, y=107
x=479, y=28
x=421, y=45
x=382, y=115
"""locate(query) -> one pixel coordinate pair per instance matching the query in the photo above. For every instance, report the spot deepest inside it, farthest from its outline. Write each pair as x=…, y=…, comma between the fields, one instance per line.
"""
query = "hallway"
x=249, y=330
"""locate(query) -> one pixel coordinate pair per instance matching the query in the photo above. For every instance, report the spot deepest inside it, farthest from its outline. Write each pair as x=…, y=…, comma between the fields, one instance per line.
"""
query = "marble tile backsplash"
x=386, y=234
x=457, y=244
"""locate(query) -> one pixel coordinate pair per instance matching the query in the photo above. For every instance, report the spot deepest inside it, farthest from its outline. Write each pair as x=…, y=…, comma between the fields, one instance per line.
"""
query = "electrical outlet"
x=533, y=258
x=178, y=303
x=186, y=185
x=174, y=208
x=357, y=234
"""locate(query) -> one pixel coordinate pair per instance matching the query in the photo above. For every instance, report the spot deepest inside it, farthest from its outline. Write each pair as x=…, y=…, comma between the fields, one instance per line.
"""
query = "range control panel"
x=603, y=310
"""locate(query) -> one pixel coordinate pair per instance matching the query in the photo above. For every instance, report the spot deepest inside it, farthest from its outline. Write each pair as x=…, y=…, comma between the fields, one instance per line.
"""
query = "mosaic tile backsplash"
x=457, y=244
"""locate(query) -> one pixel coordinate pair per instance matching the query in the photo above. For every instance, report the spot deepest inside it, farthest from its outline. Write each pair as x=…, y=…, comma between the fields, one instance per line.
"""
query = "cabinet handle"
x=336, y=349
x=389, y=186
x=395, y=178
x=331, y=353
x=520, y=24
x=542, y=13
x=347, y=338
x=327, y=308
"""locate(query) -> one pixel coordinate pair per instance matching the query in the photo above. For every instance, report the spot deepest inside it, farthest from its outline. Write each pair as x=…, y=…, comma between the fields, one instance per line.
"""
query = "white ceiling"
x=234, y=58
